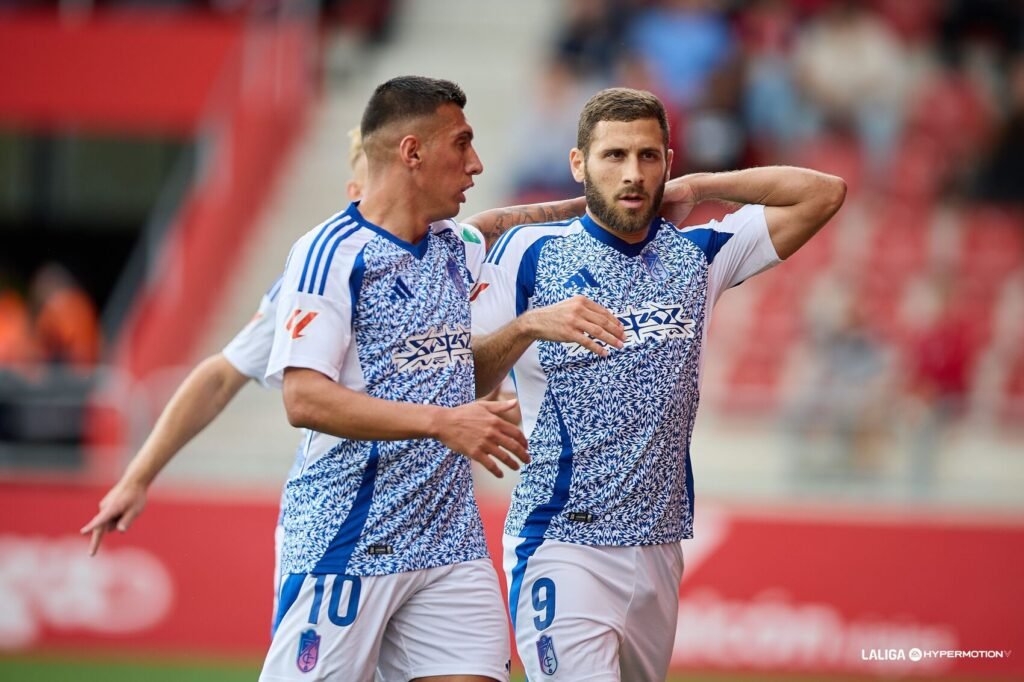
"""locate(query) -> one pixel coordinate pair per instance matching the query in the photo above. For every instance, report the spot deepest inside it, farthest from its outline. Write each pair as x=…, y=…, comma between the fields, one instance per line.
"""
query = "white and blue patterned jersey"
x=390, y=319
x=609, y=438
x=249, y=351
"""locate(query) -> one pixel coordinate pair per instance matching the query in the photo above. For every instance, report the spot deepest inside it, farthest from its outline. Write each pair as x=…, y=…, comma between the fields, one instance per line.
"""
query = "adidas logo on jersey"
x=400, y=290
x=581, y=280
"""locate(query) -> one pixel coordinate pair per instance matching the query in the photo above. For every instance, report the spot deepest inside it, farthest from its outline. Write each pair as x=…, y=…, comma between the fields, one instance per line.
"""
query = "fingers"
x=489, y=464
x=497, y=406
x=512, y=448
x=97, y=537
x=608, y=323
x=128, y=517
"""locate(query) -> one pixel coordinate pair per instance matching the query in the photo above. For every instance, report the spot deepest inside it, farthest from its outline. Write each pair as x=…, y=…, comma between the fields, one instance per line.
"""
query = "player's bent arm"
x=798, y=201
x=202, y=396
x=494, y=222
x=574, y=320
x=314, y=401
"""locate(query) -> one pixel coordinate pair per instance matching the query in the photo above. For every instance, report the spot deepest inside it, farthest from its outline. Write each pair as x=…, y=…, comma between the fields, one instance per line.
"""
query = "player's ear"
x=354, y=190
x=577, y=161
x=668, y=164
x=409, y=151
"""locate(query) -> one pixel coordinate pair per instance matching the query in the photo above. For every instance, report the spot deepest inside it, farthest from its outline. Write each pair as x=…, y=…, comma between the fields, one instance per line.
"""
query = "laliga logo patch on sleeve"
x=309, y=650
x=296, y=325
x=477, y=289
x=546, y=654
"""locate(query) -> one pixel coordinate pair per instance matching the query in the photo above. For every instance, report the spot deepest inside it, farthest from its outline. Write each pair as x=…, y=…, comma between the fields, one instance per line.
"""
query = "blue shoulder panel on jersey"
x=498, y=250
x=325, y=233
x=526, y=278
x=330, y=258
x=355, y=280
x=709, y=241
x=540, y=518
x=335, y=559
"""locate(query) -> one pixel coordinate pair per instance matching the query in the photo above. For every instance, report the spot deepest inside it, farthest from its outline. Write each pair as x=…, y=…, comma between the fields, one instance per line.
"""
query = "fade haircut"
x=355, y=148
x=619, y=104
x=407, y=97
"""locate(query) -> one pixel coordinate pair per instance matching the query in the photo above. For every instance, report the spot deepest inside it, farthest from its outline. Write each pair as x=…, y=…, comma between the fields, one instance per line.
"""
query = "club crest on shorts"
x=456, y=274
x=309, y=650
x=546, y=654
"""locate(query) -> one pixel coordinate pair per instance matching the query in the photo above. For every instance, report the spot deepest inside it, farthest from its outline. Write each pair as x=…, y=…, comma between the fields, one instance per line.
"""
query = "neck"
x=395, y=212
x=628, y=237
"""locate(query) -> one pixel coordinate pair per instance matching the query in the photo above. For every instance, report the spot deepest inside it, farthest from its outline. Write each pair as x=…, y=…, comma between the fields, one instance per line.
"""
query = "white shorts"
x=440, y=621
x=593, y=613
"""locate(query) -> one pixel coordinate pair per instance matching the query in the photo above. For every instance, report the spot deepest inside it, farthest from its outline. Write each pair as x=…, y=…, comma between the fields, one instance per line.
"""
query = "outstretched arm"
x=494, y=222
x=798, y=201
x=201, y=397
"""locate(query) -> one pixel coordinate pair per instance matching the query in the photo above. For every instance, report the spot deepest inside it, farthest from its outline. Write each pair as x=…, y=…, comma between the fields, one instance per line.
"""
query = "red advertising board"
x=765, y=590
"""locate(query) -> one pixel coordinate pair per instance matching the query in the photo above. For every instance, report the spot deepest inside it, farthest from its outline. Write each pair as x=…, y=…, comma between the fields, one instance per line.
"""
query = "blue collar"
x=601, y=234
x=418, y=250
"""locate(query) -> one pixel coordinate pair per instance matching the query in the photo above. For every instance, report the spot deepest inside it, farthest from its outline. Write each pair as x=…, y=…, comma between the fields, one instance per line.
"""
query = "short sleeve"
x=744, y=248
x=493, y=298
x=313, y=327
x=249, y=351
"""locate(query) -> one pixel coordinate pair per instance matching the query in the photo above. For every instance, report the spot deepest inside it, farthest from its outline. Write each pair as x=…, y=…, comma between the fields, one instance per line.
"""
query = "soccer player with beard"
x=618, y=303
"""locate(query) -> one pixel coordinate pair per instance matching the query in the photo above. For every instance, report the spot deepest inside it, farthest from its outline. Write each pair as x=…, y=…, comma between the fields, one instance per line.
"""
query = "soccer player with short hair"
x=385, y=568
x=603, y=321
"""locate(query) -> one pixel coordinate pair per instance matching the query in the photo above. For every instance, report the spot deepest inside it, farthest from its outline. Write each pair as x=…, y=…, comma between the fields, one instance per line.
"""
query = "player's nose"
x=631, y=172
x=474, y=165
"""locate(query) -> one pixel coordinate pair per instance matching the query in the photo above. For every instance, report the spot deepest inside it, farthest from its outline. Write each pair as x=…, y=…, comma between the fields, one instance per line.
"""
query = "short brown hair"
x=619, y=104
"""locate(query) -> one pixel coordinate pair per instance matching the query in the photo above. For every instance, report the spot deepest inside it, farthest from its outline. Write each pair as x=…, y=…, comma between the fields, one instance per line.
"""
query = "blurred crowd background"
x=885, y=360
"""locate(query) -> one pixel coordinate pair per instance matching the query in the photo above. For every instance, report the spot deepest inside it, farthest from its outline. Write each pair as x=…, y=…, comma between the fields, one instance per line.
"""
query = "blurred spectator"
x=684, y=42
x=774, y=111
x=66, y=326
x=15, y=327
x=1001, y=177
x=939, y=364
x=853, y=68
x=546, y=132
x=590, y=41
x=840, y=421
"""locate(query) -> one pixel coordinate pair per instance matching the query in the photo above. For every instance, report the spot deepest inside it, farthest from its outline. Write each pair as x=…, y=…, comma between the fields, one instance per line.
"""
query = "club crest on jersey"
x=651, y=321
x=654, y=265
x=434, y=349
x=309, y=650
x=456, y=274
x=546, y=655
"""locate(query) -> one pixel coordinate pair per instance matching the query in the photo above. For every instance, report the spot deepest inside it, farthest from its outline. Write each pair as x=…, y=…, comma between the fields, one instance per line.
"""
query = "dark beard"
x=616, y=218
